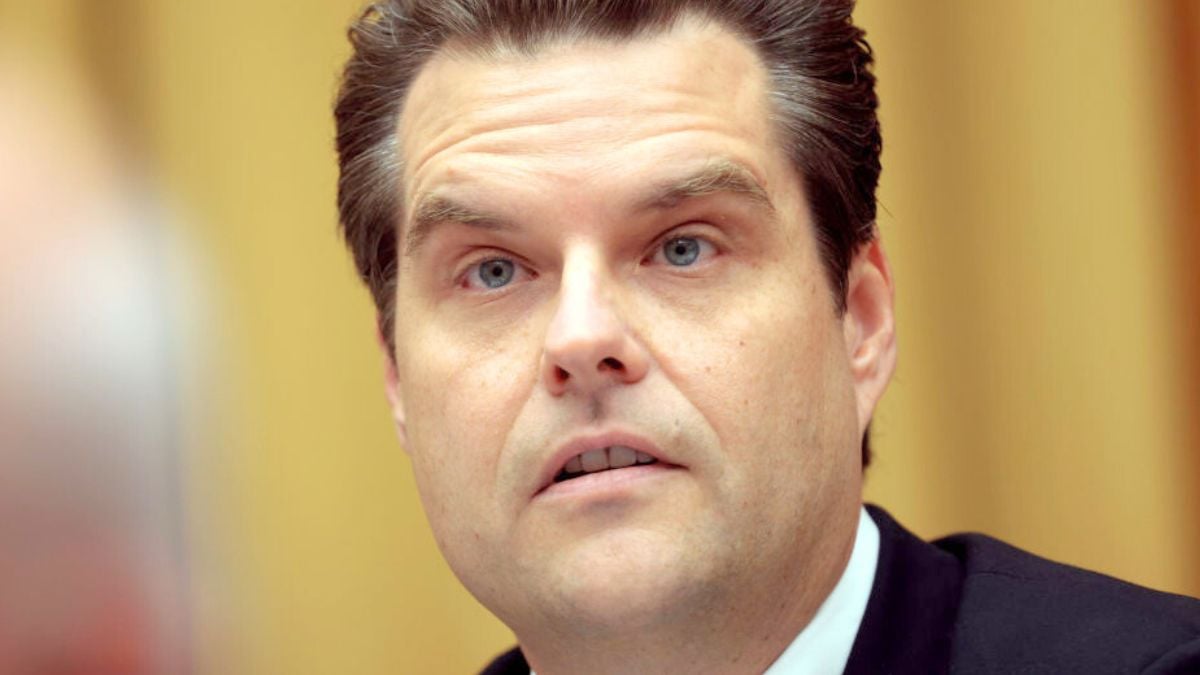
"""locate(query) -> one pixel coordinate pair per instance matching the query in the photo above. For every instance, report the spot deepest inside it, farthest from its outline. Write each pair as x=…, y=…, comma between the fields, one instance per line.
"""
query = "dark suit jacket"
x=972, y=604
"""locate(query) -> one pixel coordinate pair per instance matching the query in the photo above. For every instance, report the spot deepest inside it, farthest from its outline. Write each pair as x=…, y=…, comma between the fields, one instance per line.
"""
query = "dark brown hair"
x=823, y=101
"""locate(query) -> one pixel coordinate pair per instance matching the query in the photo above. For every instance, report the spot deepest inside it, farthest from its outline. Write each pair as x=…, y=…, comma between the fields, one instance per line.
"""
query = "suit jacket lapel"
x=909, y=623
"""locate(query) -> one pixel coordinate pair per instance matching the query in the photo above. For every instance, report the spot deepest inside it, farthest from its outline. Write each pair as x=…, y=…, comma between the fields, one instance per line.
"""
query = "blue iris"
x=681, y=251
x=496, y=273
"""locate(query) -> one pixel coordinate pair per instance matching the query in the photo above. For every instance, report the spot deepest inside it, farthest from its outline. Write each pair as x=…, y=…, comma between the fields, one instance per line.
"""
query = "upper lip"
x=579, y=444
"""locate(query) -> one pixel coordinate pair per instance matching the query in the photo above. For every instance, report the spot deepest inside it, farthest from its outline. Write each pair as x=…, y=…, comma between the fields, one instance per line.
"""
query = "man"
x=636, y=320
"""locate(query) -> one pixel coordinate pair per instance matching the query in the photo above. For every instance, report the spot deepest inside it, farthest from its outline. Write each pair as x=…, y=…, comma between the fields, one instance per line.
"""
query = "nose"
x=589, y=346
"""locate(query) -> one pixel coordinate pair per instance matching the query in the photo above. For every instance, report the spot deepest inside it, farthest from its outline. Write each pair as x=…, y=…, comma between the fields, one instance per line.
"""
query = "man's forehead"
x=461, y=93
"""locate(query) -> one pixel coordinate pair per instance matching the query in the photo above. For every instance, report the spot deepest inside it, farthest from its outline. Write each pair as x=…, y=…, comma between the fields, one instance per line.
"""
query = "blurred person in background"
x=92, y=572
x=636, y=319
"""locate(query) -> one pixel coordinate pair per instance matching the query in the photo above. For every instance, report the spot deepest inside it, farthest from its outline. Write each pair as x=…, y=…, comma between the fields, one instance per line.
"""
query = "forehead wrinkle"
x=460, y=162
x=459, y=158
x=557, y=124
x=488, y=95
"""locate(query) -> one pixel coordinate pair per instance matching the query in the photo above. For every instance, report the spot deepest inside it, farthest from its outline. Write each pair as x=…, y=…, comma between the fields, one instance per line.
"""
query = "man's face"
x=605, y=248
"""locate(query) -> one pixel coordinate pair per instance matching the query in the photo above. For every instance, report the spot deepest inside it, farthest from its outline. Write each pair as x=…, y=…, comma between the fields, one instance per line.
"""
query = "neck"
x=742, y=632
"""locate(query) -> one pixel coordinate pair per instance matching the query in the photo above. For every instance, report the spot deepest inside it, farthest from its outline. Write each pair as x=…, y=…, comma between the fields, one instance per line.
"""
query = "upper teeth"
x=600, y=459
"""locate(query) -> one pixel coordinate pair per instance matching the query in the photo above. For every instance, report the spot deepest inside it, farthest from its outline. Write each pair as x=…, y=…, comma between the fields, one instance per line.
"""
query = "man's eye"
x=491, y=274
x=685, y=251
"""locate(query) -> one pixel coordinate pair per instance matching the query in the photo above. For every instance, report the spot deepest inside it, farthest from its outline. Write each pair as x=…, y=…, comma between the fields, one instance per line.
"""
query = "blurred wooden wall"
x=1038, y=203
x=1182, y=41
x=1033, y=202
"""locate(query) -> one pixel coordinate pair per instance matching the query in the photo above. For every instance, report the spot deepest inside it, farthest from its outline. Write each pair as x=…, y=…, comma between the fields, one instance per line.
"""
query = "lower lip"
x=612, y=483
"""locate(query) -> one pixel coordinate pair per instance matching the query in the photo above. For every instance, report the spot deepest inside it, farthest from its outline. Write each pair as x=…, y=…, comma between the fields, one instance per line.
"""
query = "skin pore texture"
x=619, y=252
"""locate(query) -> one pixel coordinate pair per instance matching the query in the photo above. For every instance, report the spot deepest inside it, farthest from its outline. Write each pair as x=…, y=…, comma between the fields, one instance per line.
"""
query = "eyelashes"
x=493, y=273
x=684, y=251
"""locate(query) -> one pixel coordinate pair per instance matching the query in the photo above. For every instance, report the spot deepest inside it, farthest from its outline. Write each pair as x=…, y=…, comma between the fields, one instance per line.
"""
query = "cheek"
x=767, y=370
x=461, y=394
x=768, y=348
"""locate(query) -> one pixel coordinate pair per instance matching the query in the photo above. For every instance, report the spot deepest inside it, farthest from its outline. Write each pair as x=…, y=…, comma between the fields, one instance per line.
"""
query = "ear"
x=870, y=327
x=391, y=386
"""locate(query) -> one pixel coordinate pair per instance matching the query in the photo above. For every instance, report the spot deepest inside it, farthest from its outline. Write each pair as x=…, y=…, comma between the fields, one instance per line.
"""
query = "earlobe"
x=391, y=386
x=869, y=327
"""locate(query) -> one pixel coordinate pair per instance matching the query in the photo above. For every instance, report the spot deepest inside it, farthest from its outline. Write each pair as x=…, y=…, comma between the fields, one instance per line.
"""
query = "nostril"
x=611, y=364
x=560, y=374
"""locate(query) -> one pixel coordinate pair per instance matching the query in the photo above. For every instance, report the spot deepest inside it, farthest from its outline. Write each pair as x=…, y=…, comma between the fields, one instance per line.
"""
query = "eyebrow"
x=436, y=210
x=722, y=175
x=718, y=176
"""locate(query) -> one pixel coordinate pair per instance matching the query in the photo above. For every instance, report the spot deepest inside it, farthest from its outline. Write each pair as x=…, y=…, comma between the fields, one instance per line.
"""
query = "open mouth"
x=602, y=459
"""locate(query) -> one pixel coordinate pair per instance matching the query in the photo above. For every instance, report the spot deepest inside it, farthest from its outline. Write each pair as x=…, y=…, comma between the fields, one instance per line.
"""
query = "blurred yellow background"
x=1038, y=203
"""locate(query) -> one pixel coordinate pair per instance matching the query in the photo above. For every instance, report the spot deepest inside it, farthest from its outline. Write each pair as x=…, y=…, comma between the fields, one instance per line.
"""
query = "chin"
x=617, y=583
